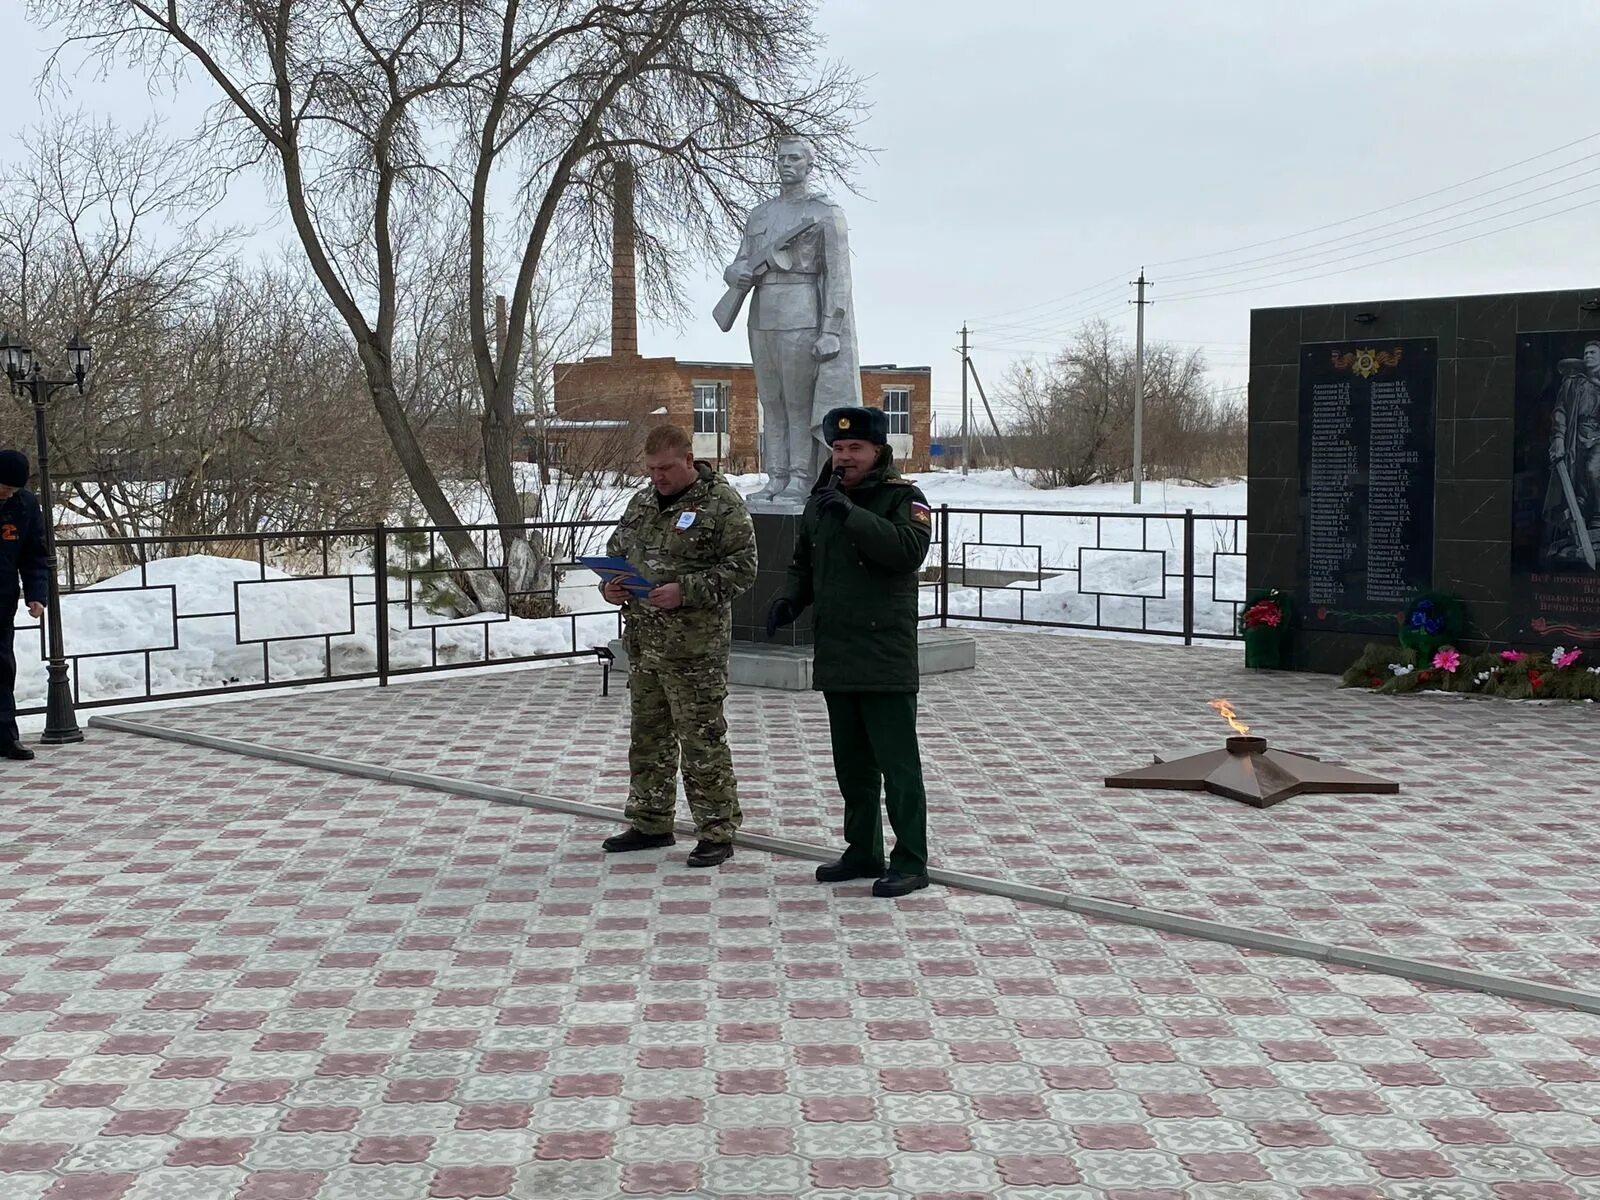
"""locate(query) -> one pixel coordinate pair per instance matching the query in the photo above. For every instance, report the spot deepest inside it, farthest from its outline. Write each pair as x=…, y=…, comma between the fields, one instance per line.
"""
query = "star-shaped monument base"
x=1252, y=774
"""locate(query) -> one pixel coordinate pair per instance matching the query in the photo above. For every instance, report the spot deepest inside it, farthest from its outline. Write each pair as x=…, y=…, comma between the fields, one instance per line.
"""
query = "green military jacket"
x=860, y=572
x=703, y=540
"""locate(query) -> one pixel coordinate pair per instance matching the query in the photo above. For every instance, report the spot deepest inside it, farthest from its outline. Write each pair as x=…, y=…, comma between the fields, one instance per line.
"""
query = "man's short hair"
x=668, y=439
x=1592, y=342
x=798, y=140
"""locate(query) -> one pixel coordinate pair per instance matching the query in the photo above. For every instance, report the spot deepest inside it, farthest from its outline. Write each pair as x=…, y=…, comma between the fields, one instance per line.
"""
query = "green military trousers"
x=875, y=747
x=676, y=705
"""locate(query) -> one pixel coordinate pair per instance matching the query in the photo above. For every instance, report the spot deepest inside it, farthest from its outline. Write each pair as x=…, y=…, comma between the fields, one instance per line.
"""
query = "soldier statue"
x=795, y=258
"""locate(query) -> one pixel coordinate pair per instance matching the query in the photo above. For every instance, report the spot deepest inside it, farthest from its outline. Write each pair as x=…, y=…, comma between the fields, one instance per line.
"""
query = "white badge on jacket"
x=685, y=519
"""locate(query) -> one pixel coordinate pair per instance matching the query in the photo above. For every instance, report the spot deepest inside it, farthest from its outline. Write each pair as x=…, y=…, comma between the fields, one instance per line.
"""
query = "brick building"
x=714, y=401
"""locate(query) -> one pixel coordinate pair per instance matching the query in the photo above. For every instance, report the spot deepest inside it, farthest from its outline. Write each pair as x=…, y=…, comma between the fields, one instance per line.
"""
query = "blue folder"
x=619, y=569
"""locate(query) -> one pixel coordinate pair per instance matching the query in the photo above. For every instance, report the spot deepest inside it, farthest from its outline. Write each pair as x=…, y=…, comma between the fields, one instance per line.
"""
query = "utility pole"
x=999, y=438
x=1138, y=390
x=966, y=444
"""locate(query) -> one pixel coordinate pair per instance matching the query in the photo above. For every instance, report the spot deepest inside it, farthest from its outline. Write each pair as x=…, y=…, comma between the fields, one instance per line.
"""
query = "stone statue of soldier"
x=795, y=259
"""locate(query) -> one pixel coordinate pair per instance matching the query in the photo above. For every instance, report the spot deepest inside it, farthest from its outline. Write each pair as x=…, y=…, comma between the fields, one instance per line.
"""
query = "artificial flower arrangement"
x=1429, y=659
x=1264, y=625
x=1559, y=674
x=1432, y=622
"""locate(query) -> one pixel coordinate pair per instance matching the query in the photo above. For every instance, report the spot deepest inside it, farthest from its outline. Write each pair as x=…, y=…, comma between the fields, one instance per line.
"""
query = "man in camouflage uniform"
x=689, y=534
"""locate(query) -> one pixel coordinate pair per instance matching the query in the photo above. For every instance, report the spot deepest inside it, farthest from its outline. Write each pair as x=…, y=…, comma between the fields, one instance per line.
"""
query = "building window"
x=897, y=404
x=555, y=453
x=708, y=408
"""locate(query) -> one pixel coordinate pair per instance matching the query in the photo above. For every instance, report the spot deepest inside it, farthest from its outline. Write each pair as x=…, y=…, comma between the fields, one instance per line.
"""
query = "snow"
x=1089, y=555
x=1081, y=555
x=223, y=610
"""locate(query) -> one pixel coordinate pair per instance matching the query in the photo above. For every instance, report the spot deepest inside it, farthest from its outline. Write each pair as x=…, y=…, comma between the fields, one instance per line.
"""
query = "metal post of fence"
x=380, y=596
x=944, y=565
x=1188, y=577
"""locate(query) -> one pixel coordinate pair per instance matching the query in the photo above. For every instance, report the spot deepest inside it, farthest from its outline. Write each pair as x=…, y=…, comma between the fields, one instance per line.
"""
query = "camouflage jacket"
x=703, y=540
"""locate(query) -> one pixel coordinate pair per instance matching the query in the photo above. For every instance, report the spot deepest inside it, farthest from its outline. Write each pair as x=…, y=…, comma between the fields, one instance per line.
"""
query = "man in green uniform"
x=863, y=536
x=688, y=533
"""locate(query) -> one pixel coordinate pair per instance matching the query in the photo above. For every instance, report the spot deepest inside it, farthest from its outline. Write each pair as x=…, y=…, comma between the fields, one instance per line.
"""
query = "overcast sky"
x=1034, y=155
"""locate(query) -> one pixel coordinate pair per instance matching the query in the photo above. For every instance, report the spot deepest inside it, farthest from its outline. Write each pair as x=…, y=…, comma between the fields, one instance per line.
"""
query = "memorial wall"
x=1451, y=445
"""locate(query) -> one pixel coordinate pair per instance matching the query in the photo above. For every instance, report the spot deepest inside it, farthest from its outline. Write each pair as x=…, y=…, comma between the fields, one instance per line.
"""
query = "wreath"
x=1559, y=674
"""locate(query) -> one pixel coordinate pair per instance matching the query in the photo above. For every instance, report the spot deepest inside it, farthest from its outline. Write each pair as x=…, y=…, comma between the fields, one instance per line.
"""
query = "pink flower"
x=1448, y=659
x=1513, y=655
x=1566, y=660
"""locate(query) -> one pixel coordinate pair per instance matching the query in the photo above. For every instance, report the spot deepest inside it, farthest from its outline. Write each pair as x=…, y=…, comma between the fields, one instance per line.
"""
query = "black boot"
x=843, y=869
x=710, y=854
x=16, y=750
x=895, y=883
x=621, y=843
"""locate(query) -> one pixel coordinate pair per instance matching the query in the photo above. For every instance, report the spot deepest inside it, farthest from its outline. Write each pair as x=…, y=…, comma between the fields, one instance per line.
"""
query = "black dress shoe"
x=894, y=883
x=838, y=872
x=710, y=854
x=17, y=751
x=621, y=843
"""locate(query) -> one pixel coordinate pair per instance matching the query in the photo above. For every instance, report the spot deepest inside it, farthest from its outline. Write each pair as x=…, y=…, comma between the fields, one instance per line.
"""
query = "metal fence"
x=148, y=618
x=1172, y=575
x=176, y=617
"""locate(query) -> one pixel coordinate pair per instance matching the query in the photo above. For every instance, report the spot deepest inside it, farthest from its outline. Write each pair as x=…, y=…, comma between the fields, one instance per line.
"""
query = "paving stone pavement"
x=1488, y=858
x=228, y=979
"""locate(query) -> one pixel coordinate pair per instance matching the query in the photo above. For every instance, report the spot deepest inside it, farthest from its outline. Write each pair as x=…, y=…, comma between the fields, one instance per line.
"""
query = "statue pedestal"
x=776, y=530
x=784, y=660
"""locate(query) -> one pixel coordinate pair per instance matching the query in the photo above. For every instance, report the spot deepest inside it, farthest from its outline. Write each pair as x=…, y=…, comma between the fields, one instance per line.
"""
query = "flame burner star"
x=1247, y=771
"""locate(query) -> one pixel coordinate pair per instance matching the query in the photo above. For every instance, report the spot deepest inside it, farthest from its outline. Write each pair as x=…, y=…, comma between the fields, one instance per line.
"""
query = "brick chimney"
x=624, y=297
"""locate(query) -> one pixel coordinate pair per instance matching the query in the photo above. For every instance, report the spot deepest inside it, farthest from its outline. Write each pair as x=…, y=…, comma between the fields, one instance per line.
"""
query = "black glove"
x=781, y=612
x=834, y=500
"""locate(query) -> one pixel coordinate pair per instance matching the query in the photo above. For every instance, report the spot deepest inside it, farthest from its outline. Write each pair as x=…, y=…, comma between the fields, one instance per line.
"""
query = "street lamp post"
x=28, y=379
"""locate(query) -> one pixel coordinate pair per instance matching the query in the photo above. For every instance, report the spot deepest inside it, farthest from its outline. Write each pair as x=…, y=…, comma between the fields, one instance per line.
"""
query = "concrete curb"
x=1416, y=970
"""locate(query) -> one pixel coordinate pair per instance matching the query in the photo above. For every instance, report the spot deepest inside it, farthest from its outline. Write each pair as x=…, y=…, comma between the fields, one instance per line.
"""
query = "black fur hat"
x=868, y=424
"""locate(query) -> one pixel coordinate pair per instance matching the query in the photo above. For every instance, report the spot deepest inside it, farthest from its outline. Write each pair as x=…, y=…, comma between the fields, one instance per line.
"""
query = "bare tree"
x=222, y=400
x=103, y=233
x=1073, y=419
x=388, y=125
x=1071, y=408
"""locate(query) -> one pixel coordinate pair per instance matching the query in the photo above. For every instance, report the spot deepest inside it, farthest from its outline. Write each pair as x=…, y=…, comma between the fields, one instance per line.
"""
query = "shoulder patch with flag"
x=921, y=512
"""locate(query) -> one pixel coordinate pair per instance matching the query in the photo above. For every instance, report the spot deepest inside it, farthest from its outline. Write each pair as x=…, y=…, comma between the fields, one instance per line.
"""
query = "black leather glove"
x=834, y=500
x=781, y=612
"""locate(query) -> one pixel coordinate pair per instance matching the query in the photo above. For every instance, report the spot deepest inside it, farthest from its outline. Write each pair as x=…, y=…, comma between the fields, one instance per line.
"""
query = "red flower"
x=1534, y=680
x=1263, y=612
x=1424, y=676
x=1322, y=614
x=1377, y=682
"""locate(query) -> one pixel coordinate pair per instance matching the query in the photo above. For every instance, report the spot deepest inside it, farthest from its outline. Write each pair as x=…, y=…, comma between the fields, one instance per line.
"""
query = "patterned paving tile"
x=1488, y=857
x=226, y=979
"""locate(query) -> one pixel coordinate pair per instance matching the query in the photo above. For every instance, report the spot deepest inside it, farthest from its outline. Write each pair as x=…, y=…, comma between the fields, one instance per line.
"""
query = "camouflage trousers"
x=677, y=720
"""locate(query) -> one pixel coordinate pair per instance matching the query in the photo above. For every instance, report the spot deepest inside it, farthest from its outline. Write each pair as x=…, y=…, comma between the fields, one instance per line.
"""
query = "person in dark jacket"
x=22, y=554
x=862, y=539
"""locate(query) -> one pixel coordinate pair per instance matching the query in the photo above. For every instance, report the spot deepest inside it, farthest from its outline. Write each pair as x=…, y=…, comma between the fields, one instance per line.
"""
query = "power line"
x=1046, y=303
x=1385, y=208
x=1055, y=318
x=1052, y=319
x=1255, y=285
x=1287, y=256
x=1053, y=334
